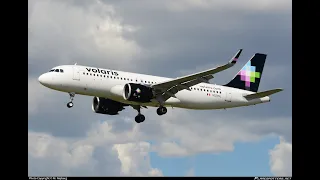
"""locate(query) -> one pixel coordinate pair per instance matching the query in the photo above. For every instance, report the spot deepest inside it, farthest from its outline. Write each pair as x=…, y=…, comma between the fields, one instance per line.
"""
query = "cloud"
x=133, y=158
x=129, y=146
x=94, y=155
x=37, y=96
x=262, y=5
x=92, y=34
x=281, y=158
x=184, y=136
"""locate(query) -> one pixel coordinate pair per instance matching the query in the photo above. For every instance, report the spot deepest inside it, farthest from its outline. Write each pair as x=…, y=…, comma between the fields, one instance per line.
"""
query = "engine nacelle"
x=137, y=93
x=106, y=106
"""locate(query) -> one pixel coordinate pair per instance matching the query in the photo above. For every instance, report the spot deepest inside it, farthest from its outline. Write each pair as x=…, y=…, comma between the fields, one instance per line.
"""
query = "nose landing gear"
x=70, y=104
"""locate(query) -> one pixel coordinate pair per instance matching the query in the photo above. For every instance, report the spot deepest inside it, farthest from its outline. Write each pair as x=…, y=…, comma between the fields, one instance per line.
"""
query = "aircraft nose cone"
x=40, y=79
x=43, y=79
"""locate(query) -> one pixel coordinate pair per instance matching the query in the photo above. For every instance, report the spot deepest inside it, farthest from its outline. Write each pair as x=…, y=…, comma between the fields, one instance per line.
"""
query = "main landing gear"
x=161, y=110
x=70, y=104
x=140, y=117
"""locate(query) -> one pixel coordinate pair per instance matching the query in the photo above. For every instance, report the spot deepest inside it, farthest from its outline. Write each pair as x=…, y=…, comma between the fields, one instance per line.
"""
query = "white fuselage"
x=109, y=84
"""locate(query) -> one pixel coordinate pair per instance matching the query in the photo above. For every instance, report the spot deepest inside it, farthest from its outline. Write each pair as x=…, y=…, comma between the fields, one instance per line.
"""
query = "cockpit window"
x=56, y=70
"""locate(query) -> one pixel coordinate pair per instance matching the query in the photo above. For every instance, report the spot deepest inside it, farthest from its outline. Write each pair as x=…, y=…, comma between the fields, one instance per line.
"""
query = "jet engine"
x=106, y=106
x=137, y=93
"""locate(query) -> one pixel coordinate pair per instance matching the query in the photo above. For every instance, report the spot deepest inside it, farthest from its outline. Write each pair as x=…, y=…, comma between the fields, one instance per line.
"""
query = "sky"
x=168, y=38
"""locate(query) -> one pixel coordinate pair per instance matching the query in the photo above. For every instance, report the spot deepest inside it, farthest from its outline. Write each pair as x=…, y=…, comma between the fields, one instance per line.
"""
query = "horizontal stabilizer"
x=262, y=94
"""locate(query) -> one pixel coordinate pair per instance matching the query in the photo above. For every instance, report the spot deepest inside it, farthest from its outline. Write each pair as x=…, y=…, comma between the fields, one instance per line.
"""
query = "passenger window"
x=94, y=74
x=57, y=70
x=104, y=75
x=84, y=73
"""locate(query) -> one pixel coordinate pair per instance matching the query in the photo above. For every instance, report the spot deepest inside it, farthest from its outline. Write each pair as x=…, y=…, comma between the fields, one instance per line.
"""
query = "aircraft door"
x=76, y=73
x=228, y=96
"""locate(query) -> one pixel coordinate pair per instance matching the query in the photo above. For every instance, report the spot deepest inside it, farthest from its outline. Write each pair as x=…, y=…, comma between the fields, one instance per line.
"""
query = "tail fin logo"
x=249, y=77
x=248, y=74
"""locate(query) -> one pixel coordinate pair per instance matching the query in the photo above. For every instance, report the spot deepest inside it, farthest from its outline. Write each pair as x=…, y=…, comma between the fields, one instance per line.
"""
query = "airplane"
x=113, y=90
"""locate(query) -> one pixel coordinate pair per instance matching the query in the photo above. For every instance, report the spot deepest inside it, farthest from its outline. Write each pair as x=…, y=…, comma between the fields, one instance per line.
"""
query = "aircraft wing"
x=168, y=88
